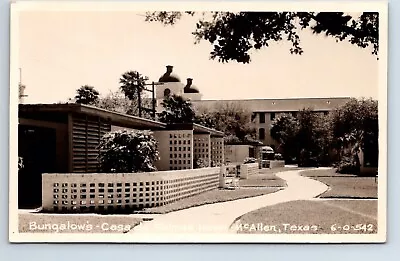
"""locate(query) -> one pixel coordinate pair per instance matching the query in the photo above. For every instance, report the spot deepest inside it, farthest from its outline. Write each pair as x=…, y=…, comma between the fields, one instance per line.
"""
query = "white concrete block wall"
x=105, y=191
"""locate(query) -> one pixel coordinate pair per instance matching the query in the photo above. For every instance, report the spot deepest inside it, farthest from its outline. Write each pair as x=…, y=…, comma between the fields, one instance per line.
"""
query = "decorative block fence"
x=248, y=169
x=108, y=191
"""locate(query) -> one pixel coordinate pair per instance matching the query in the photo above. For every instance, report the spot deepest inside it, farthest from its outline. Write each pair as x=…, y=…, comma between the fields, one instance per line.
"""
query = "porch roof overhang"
x=120, y=119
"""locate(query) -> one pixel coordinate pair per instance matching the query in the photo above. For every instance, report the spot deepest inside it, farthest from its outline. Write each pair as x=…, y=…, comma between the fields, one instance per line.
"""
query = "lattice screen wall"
x=180, y=150
x=175, y=148
x=201, y=148
x=107, y=191
x=217, y=150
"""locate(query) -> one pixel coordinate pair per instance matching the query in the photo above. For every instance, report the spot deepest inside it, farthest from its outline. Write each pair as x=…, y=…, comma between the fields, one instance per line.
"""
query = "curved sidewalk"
x=218, y=217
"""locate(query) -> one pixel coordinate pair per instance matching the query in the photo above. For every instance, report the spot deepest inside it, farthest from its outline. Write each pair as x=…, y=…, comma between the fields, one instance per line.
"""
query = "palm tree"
x=87, y=95
x=132, y=84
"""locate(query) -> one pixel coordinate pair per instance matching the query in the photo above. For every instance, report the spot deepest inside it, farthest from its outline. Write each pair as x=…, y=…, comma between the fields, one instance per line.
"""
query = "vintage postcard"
x=198, y=122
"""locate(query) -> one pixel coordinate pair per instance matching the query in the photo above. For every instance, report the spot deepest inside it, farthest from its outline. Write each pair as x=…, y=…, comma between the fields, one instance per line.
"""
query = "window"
x=326, y=113
x=294, y=114
x=167, y=92
x=261, y=133
x=272, y=116
x=262, y=117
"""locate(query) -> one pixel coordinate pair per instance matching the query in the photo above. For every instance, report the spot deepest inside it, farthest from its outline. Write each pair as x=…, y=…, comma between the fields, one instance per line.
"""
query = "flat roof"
x=277, y=105
x=120, y=119
x=115, y=117
x=199, y=129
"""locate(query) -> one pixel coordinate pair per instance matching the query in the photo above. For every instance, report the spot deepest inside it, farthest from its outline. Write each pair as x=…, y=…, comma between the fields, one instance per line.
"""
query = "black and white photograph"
x=179, y=122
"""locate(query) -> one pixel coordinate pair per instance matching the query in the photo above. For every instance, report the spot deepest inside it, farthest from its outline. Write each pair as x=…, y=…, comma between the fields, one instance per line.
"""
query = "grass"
x=344, y=185
x=256, y=185
x=324, y=173
x=266, y=178
x=73, y=223
x=210, y=197
x=312, y=217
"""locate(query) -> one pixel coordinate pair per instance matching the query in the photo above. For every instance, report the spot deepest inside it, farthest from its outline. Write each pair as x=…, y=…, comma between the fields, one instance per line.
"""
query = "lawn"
x=75, y=223
x=210, y=197
x=312, y=217
x=266, y=178
x=344, y=185
x=324, y=173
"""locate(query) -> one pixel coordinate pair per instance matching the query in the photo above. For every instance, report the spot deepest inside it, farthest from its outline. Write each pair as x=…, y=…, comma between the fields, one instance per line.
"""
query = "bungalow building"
x=64, y=138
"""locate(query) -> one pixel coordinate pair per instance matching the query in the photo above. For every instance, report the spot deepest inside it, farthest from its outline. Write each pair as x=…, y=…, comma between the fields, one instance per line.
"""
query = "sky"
x=61, y=51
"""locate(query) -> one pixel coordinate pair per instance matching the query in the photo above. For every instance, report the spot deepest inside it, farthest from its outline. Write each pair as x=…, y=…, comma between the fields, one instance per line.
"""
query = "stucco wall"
x=236, y=153
x=247, y=170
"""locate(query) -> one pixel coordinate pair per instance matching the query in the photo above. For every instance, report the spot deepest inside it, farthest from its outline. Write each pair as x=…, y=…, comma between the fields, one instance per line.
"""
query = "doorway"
x=37, y=147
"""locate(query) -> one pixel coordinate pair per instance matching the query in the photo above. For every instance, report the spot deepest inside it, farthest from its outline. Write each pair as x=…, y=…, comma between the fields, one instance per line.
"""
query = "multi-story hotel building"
x=266, y=110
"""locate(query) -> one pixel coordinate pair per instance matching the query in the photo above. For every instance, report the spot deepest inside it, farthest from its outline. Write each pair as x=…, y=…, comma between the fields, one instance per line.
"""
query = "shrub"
x=348, y=165
x=200, y=163
x=215, y=164
x=249, y=160
x=128, y=151
x=307, y=159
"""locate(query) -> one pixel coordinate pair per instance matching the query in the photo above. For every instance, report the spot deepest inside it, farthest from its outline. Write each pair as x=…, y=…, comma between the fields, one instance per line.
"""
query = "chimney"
x=169, y=69
x=189, y=82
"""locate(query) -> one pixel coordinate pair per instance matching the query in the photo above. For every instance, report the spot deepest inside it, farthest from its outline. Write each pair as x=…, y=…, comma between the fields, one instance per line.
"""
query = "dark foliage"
x=128, y=151
x=87, y=95
x=176, y=110
x=234, y=35
x=132, y=83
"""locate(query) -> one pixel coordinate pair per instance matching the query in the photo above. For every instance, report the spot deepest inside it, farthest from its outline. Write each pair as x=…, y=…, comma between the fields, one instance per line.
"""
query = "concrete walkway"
x=217, y=218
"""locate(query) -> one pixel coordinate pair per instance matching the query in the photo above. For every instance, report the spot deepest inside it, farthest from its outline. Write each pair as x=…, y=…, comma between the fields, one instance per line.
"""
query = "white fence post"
x=244, y=172
x=222, y=175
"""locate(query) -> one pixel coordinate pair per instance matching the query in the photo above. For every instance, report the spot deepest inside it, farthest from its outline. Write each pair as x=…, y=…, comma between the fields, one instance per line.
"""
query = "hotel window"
x=262, y=117
x=261, y=133
x=272, y=116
